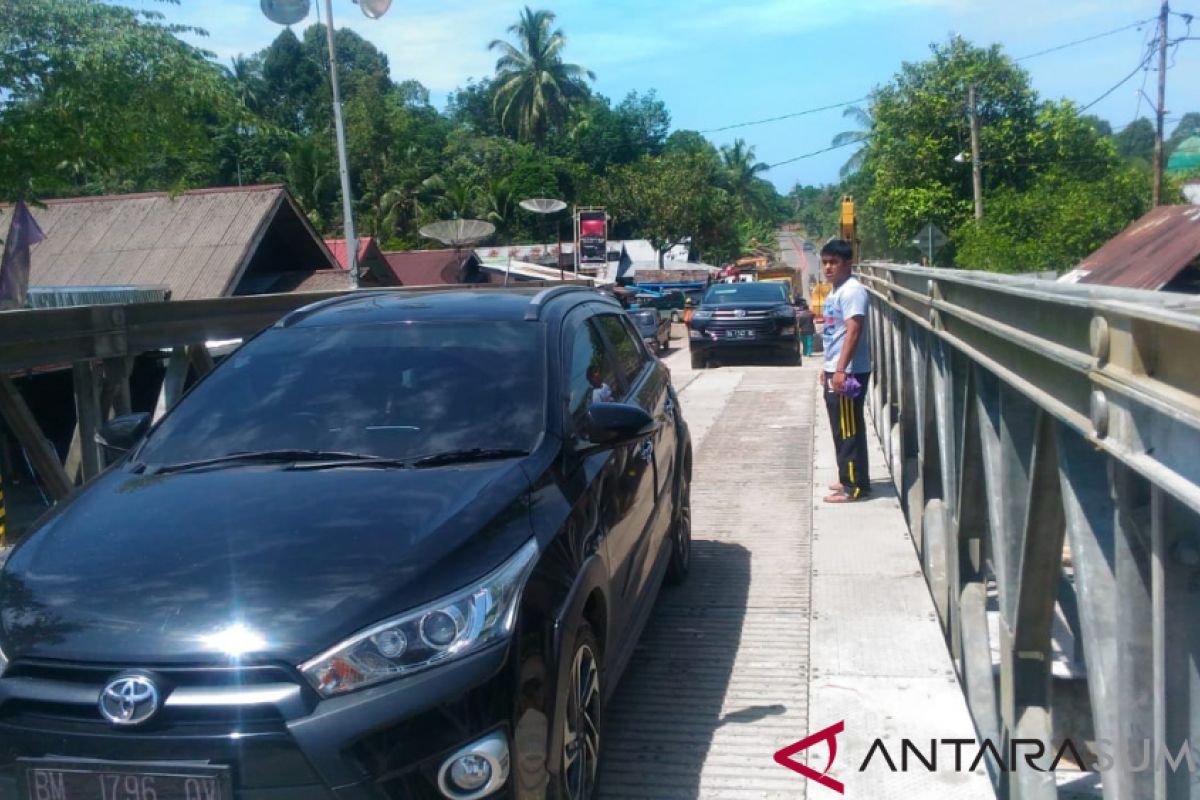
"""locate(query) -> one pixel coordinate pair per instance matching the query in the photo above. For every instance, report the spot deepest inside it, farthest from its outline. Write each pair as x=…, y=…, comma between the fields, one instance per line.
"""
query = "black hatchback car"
x=744, y=316
x=396, y=546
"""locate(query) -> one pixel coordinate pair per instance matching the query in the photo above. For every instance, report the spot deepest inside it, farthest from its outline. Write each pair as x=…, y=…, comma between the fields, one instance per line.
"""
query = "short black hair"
x=838, y=248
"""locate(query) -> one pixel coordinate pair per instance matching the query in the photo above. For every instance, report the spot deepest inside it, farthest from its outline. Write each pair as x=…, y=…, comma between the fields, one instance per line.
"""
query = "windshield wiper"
x=330, y=457
x=467, y=456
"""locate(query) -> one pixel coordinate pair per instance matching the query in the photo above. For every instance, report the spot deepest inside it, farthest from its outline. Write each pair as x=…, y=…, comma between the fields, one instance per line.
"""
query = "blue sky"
x=721, y=62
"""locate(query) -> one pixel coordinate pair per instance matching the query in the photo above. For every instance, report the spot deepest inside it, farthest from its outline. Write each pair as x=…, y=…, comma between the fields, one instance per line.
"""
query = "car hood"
x=749, y=305
x=192, y=567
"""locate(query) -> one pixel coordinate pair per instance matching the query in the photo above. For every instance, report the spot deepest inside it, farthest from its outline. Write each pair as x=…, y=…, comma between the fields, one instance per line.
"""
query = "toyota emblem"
x=741, y=312
x=129, y=700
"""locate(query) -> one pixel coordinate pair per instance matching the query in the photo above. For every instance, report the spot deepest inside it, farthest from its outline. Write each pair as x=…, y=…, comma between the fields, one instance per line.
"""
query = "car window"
x=395, y=391
x=592, y=377
x=626, y=344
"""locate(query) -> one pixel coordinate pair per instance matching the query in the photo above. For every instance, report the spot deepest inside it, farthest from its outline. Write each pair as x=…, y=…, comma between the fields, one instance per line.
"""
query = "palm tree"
x=863, y=119
x=246, y=76
x=534, y=88
x=742, y=174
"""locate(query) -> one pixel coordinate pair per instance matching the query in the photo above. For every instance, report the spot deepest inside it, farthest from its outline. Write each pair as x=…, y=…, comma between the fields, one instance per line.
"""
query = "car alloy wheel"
x=681, y=537
x=581, y=736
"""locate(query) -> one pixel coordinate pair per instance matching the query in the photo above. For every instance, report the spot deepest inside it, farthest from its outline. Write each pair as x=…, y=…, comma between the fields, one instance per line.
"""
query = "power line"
x=832, y=106
x=813, y=153
x=1141, y=65
x=1123, y=28
x=785, y=116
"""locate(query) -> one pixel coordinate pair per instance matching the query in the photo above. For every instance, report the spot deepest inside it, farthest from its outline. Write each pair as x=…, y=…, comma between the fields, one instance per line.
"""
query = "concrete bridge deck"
x=797, y=616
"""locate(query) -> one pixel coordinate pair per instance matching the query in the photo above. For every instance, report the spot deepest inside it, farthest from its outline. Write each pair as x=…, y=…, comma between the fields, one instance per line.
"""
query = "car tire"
x=681, y=535
x=579, y=761
x=698, y=361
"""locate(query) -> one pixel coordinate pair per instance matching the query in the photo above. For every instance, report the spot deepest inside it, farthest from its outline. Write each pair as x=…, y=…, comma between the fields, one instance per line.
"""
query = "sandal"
x=844, y=498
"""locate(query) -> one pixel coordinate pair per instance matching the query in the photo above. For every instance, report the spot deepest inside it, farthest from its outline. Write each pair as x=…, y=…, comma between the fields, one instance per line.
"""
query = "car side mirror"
x=124, y=432
x=614, y=424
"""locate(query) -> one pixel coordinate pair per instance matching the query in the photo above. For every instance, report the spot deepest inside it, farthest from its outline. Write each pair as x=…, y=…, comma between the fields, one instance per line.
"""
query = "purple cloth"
x=851, y=387
x=23, y=233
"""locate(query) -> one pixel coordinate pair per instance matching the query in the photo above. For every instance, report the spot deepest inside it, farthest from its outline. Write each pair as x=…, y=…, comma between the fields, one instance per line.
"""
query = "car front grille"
x=234, y=717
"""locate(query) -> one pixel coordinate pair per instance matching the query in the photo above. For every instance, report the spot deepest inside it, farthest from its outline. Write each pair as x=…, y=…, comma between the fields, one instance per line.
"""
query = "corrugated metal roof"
x=1146, y=255
x=194, y=243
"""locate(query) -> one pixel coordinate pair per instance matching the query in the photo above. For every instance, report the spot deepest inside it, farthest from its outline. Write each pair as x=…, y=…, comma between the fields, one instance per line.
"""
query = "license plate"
x=739, y=334
x=54, y=779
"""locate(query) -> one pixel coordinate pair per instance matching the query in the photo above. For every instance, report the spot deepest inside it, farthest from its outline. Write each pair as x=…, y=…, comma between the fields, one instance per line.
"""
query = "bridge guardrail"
x=1045, y=442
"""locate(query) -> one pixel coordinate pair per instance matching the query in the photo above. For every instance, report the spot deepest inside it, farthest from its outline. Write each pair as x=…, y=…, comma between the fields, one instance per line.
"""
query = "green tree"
x=1053, y=223
x=742, y=179
x=862, y=118
x=670, y=198
x=101, y=98
x=534, y=87
x=1136, y=141
x=920, y=124
x=292, y=84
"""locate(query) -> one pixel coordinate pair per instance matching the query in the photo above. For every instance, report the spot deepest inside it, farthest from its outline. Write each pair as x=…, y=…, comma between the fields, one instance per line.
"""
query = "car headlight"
x=701, y=313
x=450, y=628
x=786, y=312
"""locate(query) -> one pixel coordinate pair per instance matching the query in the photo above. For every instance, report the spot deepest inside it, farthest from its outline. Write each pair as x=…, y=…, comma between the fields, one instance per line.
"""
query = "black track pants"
x=849, y=436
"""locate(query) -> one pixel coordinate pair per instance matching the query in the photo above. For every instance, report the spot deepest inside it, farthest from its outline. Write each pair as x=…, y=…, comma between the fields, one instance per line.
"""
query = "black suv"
x=396, y=546
x=740, y=316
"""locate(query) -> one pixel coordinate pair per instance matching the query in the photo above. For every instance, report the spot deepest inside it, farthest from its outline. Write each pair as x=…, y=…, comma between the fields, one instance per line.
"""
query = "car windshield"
x=751, y=292
x=395, y=391
x=646, y=320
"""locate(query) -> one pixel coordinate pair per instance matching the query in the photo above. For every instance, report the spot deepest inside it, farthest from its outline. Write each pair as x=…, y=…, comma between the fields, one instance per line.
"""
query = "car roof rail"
x=539, y=301
x=304, y=312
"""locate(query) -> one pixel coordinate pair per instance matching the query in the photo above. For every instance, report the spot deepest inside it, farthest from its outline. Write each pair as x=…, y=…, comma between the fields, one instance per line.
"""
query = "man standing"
x=847, y=370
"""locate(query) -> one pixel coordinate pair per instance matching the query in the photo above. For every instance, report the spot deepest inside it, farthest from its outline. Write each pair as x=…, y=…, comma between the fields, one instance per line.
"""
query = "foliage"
x=534, y=88
x=671, y=198
x=1054, y=184
x=1136, y=141
x=1054, y=223
x=100, y=98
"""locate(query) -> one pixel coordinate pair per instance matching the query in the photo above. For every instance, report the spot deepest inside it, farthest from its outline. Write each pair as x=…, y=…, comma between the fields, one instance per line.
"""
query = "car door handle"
x=646, y=451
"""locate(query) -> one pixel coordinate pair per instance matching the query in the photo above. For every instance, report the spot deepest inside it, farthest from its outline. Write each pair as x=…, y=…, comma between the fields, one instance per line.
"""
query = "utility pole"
x=976, y=163
x=1161, y=110
x=343, y=162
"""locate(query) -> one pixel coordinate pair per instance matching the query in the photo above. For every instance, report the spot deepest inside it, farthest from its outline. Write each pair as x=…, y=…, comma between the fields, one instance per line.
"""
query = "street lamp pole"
x=343, y=164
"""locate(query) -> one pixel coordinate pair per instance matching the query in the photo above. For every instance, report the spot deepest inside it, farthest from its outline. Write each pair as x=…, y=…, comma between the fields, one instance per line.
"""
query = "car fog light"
x=477, y=770
x=470, y=772
x=788, y=331
x=440, y=628
x=694, y=334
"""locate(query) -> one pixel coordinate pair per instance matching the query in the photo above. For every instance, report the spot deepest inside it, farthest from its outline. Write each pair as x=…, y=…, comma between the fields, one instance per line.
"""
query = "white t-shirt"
x=602, y=393
x=849, y=300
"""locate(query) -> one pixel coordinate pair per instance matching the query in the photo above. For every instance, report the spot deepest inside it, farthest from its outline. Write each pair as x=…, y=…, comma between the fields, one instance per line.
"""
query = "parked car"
x=373, y=554
x=654, y=328
x=744, y=316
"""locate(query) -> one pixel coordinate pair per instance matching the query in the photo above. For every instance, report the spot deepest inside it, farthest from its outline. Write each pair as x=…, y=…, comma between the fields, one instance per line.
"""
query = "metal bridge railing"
x=1045, y=442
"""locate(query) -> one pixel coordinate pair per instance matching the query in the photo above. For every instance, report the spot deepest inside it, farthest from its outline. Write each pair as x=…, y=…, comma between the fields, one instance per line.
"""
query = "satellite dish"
x=285, y=12
x=374, y=9
x=457, y=232
x=542, y=205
